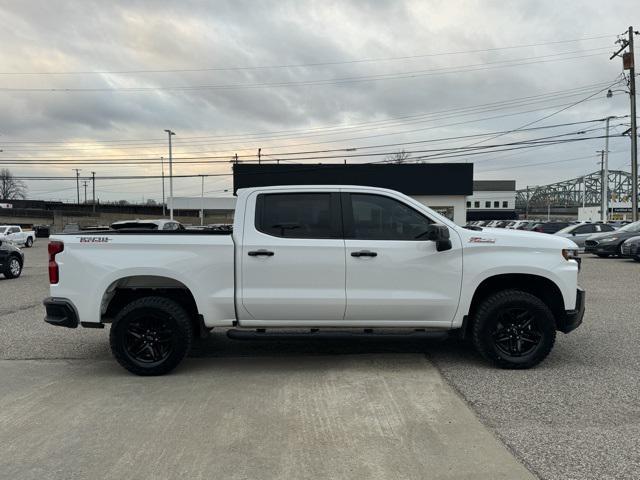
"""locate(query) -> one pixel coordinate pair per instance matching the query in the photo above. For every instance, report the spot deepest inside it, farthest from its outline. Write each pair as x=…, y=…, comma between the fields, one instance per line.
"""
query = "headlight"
x=610, y=239
x=570, y=254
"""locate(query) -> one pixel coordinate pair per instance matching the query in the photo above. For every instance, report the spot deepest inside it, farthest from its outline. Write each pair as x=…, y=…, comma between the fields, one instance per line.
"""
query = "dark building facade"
x=441, y=186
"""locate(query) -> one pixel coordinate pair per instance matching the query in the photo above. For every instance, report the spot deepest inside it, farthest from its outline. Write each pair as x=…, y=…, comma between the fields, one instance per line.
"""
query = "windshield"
x=567, y=229
x=3, y=230
x=632, y=227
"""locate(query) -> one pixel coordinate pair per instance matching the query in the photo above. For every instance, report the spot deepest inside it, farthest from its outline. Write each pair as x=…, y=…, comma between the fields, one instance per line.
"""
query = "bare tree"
x=11, y=188
x=397, y=157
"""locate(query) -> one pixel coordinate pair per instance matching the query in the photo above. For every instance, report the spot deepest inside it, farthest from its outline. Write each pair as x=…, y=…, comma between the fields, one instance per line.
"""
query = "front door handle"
x=364, y=253
x=260, y=253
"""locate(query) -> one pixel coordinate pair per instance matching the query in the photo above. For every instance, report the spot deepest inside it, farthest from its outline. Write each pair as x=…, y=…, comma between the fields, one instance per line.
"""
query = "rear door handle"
x=260, y=253
x=364, y=253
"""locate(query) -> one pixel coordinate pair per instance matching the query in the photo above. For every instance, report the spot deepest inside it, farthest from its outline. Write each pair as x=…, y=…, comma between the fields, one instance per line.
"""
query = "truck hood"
x=514, y=238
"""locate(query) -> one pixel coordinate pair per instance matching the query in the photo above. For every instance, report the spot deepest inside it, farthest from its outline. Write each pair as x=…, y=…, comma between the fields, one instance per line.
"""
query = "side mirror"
x=439, y=234
x=573, y=233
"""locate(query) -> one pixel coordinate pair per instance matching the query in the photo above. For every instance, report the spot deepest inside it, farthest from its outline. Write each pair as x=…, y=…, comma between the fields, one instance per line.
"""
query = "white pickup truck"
x=15, y=234
x=317, y=257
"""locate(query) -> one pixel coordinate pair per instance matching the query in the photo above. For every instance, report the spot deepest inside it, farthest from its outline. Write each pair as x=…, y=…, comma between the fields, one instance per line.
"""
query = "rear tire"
x=514, y=329
x=13, y=268
x=151, y=336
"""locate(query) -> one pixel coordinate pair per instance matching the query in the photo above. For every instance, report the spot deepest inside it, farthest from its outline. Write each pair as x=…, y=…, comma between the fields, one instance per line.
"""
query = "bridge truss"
x=576, y=192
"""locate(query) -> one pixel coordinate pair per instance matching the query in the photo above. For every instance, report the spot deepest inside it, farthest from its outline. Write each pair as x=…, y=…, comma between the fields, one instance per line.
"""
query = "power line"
x=315, y=64
x=297, y=155
x=299, y=132
x=327, y=81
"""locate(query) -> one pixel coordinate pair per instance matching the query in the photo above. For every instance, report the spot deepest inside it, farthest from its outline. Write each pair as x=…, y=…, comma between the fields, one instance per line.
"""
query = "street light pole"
x=170, y=133
x=202, y=201
x=164, y=212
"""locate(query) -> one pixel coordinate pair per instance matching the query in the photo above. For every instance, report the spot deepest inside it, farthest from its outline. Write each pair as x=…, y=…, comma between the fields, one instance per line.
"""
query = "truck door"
x=293, y=258
x=13, y=234
x=394, y=274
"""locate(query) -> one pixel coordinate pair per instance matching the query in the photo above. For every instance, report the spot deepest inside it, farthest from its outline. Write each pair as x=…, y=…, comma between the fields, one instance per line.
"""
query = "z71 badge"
x=95, y=239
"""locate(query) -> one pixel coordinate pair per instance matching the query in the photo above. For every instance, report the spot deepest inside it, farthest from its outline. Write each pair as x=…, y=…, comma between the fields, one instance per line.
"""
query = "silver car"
x=581, y=231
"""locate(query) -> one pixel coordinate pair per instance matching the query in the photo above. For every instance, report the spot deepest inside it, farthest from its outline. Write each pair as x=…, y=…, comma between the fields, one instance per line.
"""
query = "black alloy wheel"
x=149, y=339
x=516, y=332
x=513, y=329
x=151, y=335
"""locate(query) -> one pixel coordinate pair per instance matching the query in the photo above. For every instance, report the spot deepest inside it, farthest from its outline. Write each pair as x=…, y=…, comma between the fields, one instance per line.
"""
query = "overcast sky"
x=92, y=81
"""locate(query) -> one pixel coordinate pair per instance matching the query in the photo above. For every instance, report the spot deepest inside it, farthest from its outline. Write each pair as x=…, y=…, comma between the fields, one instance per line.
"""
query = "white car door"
x=394, y=275
x=15, y=235
x=292, y=259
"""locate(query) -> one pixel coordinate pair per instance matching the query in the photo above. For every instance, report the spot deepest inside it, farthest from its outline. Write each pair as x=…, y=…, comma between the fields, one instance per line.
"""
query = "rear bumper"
x=573, y=318
x=60, y=312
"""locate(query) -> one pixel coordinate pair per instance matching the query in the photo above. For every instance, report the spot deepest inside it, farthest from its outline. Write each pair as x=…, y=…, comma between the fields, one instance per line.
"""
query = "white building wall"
x=482, y=197
x=450, y=202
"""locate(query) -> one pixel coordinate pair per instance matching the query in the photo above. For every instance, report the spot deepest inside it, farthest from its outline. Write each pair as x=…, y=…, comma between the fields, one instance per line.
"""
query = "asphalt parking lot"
x=331, y=408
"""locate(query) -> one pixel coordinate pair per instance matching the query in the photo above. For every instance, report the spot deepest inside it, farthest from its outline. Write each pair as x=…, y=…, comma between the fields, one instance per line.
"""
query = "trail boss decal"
x=95, y=239
x=482, y=240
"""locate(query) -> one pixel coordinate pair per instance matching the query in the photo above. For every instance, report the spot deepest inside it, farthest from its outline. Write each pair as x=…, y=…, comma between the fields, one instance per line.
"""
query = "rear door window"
x=299, y=215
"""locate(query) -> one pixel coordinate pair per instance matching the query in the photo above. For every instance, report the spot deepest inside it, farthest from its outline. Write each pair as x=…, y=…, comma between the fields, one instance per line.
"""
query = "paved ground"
x=575, y=416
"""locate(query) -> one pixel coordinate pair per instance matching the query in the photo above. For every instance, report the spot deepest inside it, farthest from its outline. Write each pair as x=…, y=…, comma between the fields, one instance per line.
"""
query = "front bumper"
x=608, y=248
x=573, y=318
x=60, y=312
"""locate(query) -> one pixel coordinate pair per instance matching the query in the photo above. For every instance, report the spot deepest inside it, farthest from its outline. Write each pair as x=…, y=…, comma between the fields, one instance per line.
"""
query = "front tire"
x=29, y=242
x=514, y=329
x=151, y=336
x=13, y=268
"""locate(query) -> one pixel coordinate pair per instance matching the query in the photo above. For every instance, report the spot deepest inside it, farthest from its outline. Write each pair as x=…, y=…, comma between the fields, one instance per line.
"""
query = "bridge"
x=576, y=192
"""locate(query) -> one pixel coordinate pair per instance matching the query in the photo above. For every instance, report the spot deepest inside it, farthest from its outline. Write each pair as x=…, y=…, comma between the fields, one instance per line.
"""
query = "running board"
x=314, y=333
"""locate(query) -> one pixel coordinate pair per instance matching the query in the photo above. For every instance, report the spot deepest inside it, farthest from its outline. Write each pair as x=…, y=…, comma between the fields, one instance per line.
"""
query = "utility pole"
x=170, y=133
x=634, y=129
x=77, y=182
x=603, y=181
x=84, y=184
x=526, y=211
x=628, y=63
x=93, y=185
x=259, y=155
x=164, y=212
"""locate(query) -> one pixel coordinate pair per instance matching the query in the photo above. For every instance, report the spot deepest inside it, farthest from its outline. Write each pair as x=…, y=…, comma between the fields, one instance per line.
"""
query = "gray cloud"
x=163, y=35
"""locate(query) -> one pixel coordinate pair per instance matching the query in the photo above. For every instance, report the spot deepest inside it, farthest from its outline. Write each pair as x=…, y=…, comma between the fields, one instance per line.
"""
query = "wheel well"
x=543, y=288
x=127, y=289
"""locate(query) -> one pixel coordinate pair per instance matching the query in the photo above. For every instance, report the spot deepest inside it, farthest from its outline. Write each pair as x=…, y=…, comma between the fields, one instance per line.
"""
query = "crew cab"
x=15, y=234
x=317, y=257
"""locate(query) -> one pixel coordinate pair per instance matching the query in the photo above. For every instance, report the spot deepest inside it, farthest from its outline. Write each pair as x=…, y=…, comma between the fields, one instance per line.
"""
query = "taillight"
x=54, y=249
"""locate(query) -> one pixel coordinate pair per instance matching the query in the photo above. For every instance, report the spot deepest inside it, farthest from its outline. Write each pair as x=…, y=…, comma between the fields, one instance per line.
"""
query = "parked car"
x=549, y=227
x=11, y=259
x=518, y=224
x=161, y=224
x=631, y=248
x=42, y=231
x=611, y=243
x=581, y=231
x=619, y=223
x=15, y=234
x=312, y=257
